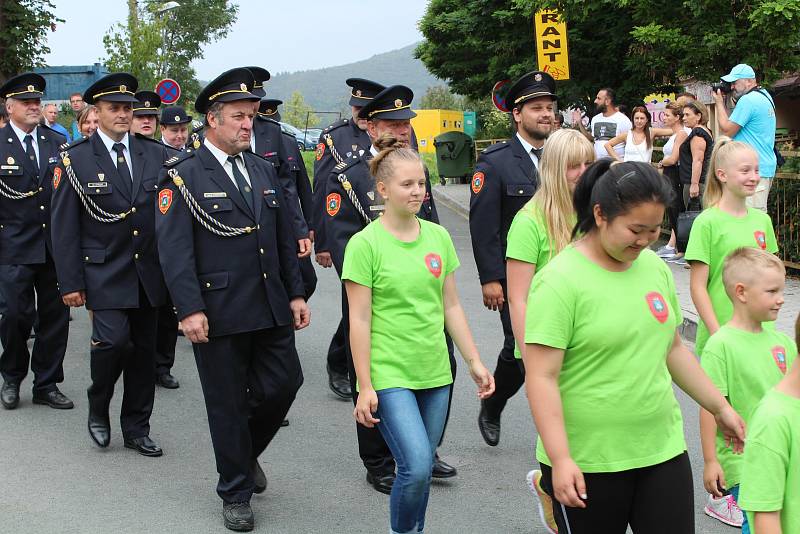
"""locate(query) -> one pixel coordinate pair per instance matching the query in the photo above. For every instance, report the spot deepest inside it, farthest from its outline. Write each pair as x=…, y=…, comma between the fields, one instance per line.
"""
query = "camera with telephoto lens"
x=723, y=86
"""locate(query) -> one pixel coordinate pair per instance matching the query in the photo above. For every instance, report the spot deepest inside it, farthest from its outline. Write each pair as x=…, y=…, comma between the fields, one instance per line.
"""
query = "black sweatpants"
x=657, y=499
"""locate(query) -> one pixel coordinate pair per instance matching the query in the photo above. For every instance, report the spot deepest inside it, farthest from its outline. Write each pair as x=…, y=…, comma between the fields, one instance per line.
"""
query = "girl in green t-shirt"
x=602, y=350
x=725, y=225
x=398, y=274
x=539, y=231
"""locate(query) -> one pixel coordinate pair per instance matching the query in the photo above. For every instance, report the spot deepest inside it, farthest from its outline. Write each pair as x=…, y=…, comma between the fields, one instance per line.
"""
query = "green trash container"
x=454, y=156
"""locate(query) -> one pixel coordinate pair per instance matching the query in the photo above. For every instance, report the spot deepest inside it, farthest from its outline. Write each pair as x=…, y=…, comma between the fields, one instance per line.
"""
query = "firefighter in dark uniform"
x=145, y=114
x=342, y=141
x=175, y=126
x=350, y=204
x=28, y=156
x=227, y=247
x=104, y=193
x=506, y=177
x=268, y=107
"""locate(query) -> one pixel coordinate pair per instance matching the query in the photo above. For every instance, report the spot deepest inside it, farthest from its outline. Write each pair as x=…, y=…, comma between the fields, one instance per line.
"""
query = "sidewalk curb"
x=444, y=198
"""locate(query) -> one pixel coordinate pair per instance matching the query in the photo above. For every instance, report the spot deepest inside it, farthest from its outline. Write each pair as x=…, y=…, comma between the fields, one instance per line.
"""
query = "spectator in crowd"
x=673, y=119
x=87, y=121
x=3, y=114
x=607, y=124
x=638, y=141
x=50, y=114
x=752, y=122
x=77, y=104
x=559, y=122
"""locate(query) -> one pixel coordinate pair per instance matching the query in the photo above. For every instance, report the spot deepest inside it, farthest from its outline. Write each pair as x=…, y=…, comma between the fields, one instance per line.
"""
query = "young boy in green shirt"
x=771, y=470
x=744, y=361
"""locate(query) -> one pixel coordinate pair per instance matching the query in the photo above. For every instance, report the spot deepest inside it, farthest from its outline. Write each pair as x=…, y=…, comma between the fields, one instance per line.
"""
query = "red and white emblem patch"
x=434, y=264
x=658, y=306
x=164, y=200
x=332, y=203
x=779, y=353
x=320, y=151
x=56, y=177
x=761, y=239
x=477, y=182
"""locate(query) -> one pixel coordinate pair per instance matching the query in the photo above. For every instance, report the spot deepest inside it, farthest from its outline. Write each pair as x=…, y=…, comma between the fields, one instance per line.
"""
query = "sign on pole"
x=168, y=90
x=551, y=44
x=499, y=92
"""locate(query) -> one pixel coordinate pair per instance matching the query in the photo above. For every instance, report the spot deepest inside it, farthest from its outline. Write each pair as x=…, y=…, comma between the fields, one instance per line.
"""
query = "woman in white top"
x=638, y=140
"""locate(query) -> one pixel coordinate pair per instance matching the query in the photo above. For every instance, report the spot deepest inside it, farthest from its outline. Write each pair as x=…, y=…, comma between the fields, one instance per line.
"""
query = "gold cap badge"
x=398, y=103
x=243, y=87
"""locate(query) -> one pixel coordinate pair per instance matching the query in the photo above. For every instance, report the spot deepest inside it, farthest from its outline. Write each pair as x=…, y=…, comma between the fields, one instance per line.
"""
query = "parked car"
x=304, y=141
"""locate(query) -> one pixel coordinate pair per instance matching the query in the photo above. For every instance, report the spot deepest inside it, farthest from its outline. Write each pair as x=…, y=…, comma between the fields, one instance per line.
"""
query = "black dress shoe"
x=238, y=516
x=442, y=469
x=259, y=478
x=489, y=426
x=168, y=381
x=339, y=384
x=9, y=395
x=99, y=430
x=54, y=399
x=381, y=482
x=144, y=446
x=285, y=422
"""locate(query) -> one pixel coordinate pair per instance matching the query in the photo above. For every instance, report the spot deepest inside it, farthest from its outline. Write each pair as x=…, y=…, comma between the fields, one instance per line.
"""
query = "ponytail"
x=724, y=149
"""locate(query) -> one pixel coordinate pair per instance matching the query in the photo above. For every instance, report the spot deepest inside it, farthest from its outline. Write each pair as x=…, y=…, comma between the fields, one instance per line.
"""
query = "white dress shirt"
x=109, y=144
x=529, y=149
x=22, y=135
x=222, y=157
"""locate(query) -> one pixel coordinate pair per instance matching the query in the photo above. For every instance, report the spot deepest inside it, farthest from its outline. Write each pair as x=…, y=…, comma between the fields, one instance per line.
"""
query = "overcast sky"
x=281, y=35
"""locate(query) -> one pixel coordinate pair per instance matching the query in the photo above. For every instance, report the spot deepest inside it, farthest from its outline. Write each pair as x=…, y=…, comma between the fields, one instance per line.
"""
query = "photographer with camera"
x=752, y=122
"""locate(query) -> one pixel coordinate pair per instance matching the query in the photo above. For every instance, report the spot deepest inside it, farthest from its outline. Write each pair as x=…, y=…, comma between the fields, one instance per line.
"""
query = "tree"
x=634, y=46
x=440, y=97
x=296, y=111
x=23, y=34
x=154, y=44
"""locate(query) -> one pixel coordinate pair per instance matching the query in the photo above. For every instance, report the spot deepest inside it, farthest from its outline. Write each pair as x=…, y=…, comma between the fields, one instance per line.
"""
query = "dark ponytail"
x=616, y=188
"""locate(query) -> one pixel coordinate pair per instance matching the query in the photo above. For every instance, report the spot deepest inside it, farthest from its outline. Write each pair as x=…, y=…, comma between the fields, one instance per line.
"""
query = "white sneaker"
x=666, y=252
x=543, y=501
x=724, y=509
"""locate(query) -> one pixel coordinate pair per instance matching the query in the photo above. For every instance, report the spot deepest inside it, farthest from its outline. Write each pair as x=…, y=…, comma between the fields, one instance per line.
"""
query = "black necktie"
x=31, y=153
x=537, y=152
x=122, y=165
x=241, y=183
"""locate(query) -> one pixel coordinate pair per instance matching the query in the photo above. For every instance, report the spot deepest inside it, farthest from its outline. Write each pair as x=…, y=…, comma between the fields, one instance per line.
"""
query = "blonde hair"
x=390, y=151
x=746, y=264
x=563, y=149
x=724, y=150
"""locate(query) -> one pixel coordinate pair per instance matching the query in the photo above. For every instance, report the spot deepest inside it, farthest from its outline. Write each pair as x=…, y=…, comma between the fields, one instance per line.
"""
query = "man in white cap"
x=752, y=122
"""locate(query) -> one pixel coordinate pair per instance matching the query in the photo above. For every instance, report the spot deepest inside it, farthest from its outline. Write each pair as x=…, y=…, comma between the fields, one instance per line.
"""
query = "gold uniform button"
x=258, y=227
x=133, y=209
x=208, y=284
x=41, y=189
x=136, y=256
x=261, y=250
x=520, y=191
x=86, y=258
x=265, y=276
x=136, y=232
x=44, y=225
x=96, y=190
x=41, y=207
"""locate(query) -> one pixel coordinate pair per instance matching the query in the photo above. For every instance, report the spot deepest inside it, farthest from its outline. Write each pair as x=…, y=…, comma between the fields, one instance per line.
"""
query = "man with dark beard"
x=506, y=177
x=608, y=123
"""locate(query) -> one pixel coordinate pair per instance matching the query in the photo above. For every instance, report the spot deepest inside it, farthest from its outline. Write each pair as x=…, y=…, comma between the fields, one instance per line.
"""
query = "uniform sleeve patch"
x=164, y=200
x=477, y=182
x=320, y=151
x=332, y=204
x=56, y=177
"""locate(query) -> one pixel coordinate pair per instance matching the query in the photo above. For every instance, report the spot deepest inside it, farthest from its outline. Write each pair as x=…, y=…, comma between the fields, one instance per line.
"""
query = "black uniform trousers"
x=166, y=338
x=30, y=293
x=123, y=343
x=507, y=375
x=249, y=383
x=372, y=448
x=337, y=358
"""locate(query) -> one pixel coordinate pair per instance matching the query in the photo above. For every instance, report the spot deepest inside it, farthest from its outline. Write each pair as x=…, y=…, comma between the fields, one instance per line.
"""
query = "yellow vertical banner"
x=551, y=44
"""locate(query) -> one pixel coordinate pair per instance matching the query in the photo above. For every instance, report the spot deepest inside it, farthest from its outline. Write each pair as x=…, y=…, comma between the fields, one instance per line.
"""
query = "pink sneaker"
x=724, y=509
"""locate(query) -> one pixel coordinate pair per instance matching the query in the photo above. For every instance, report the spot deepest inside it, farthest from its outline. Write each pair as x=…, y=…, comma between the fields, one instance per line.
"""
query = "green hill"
x=324, y=89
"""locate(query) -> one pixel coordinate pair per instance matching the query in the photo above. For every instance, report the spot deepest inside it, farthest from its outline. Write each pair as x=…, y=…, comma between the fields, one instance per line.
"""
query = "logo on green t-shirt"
x=779, y=353
x=658, y=306
x=761, y=239
x=434, y=263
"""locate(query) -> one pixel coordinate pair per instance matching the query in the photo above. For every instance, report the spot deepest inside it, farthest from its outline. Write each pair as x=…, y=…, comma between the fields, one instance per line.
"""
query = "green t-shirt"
x=529, y=241
x=744, y=366
x=715, y=234
x=771, y=466
x=408, y=348
x=616, y=329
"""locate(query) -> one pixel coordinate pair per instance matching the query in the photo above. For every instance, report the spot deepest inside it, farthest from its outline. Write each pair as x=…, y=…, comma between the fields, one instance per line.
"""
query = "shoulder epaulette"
x=495, y=147
x=145, y=138
x=76, y=142
x=174, y=160
x=46, y=127
x=346, y=164
x=337, y=124
x=289, y=134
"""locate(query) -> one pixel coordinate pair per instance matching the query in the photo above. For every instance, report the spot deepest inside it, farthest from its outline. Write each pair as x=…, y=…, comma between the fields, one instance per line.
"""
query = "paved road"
x=55, y=481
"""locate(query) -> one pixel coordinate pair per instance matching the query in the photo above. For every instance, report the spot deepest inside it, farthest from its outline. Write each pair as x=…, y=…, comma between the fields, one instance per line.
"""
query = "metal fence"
x=784, y=209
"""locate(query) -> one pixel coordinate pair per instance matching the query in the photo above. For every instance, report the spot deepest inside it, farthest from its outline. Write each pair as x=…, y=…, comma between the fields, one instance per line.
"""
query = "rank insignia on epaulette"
x=340, y=166
x=171, y=160
x=64, y=146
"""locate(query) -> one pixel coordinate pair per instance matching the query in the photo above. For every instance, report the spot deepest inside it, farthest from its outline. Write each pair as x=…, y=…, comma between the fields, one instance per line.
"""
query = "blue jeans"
x=412, y=422
x=745, y=524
